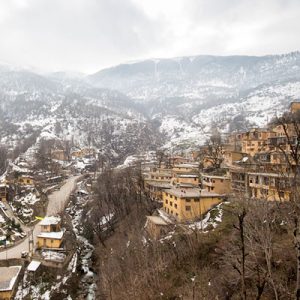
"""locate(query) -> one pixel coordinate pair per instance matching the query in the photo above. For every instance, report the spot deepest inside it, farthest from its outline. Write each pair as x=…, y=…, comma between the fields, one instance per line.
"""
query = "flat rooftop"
x=188, y=176
x=51, y=235
x=191, y=165
x=191, y=193
x=50, y=221
x=8, y=277
x=159, y=184
x=215, y=176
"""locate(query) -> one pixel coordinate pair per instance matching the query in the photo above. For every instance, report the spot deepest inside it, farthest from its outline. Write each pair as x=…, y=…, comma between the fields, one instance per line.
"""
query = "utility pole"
x=30, y=242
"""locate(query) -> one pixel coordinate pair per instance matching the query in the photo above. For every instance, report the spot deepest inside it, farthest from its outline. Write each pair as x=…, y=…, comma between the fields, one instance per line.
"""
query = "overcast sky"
x=88, y=35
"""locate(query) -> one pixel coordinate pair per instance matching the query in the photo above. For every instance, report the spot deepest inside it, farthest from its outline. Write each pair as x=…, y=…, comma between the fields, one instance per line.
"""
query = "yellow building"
x=269, y=186
x=188, y=204
x=230, y=157
x=51, y=235
x=8, y=281
x=294, y=107
x=186, y=168
x=59, y=154
x=26, y=180
x=191, y=180
x=256, y=140
x=3, y=191
x=77, y=153
x=216, y=184
x=162, y=175
x=155, y=189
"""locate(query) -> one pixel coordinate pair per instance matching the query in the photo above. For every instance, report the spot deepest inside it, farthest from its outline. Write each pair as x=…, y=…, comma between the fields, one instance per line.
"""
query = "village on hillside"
x=257, y=164
x=32, y=199
x=188, y=190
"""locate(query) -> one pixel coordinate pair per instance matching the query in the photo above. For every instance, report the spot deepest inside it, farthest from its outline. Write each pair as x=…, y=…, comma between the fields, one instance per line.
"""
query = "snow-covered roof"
x=8, y=277
x=187, y=166
x=52, y=235
x=33, y=266
x=50, y=221
x=188, y=176
x=215, y=176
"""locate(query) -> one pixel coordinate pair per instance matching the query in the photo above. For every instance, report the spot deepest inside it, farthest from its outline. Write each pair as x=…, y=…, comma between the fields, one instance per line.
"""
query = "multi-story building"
x=185, y=168
x=216, y=184
x=155, y=189
x=180, y=179
x=51, y=235
x=256, y=140
x=239, y=180
x=230, y=157
x=188, y=204
x=161, y=175
x=269, y=186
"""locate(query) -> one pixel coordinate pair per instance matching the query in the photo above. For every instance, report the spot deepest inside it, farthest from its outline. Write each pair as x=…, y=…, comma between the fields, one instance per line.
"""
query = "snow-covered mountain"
x=136, y=106
x=189, y=95
x=197, y=76
x=50, y=108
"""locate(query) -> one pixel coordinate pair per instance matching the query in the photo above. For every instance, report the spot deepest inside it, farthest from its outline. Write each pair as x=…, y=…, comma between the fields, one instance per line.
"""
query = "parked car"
x=24, y=254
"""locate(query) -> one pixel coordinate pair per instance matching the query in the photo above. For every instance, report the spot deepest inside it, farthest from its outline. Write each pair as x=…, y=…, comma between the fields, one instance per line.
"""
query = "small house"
x=51, y=235
x=3, y=191
x=156, y=227
x=26, y=180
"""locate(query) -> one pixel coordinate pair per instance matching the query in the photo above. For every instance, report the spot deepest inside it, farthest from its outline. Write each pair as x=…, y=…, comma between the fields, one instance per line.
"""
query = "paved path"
x=57, y=202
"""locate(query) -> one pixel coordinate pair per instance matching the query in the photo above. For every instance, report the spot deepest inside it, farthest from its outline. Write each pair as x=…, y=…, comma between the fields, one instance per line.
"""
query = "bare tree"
x=3, y=159
x=214, y=149
x=289, y=146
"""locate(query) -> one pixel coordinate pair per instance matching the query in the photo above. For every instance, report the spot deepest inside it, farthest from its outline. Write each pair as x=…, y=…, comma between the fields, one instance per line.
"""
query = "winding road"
x=56, y=204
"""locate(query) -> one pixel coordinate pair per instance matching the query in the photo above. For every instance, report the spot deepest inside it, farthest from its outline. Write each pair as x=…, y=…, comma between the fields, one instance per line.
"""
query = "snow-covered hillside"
x=190, y=95
x=135, y=106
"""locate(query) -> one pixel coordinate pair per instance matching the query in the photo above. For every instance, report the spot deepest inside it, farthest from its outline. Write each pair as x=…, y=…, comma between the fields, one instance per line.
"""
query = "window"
x=175, y=198
x=212, y=188
x=188, y=208
x=188, y=200
x=196, y=199
x=175, y=205
x=222, y=180
x=171, y=203
x=171, y=196
x=195, y=179
x=166, y=201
